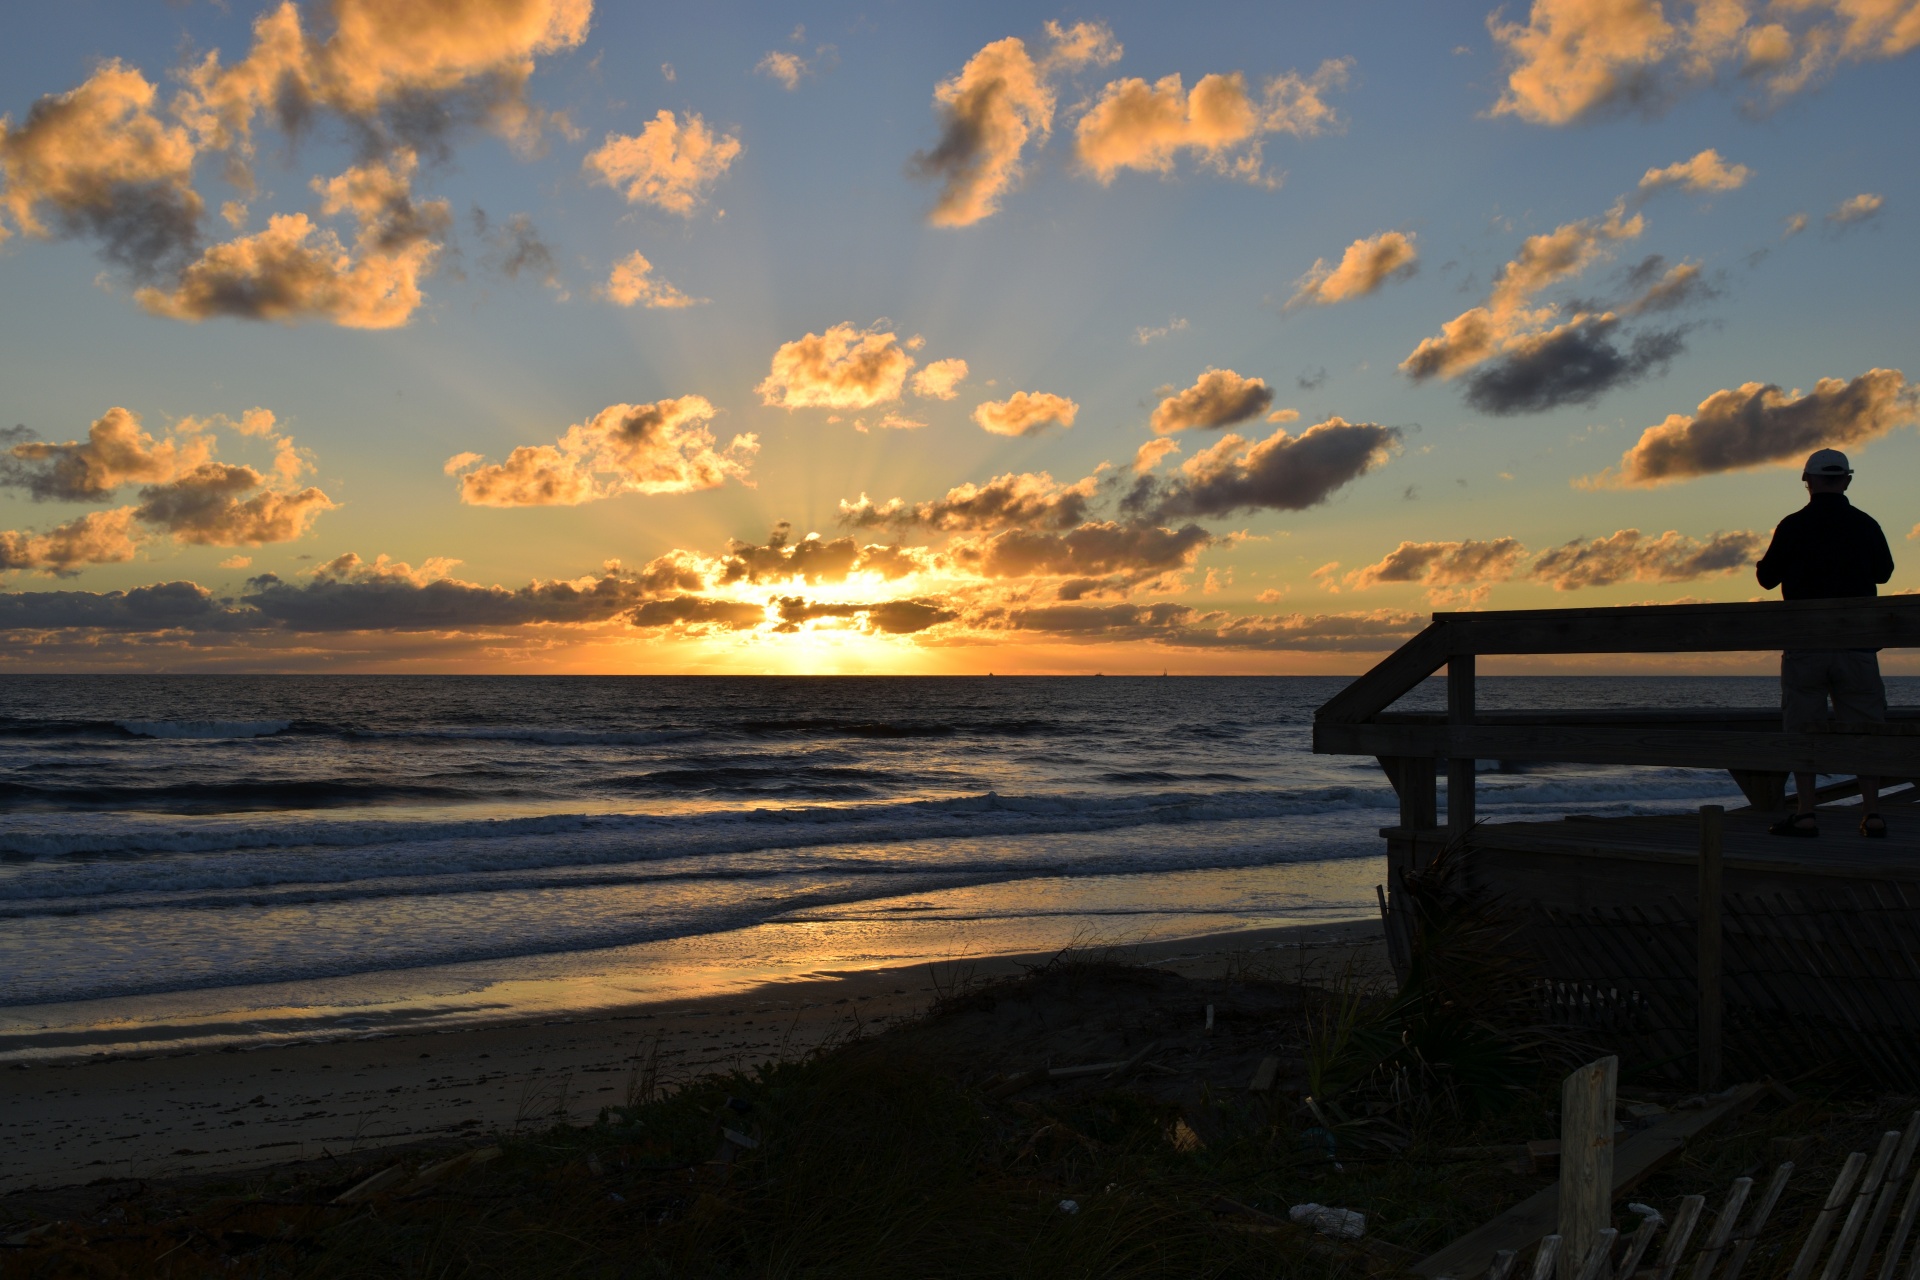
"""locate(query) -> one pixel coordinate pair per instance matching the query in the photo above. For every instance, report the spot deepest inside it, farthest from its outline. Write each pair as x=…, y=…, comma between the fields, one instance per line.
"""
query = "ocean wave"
x=223, y=797
x=204, y=728
x=123, y=859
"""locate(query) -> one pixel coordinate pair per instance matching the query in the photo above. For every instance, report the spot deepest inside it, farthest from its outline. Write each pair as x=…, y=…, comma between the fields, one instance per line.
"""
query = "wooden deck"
x=1814, y=962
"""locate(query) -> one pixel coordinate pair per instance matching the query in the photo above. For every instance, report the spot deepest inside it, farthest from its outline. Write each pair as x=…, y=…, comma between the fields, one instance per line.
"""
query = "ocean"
x=208, y=859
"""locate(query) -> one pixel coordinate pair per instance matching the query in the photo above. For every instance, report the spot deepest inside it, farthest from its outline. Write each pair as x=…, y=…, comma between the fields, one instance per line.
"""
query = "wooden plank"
x=1414, y=782
x=1525, y=1223
x=1399, y=672
x=1879, y=622
x=1587, y=1101
x=1708, y=968
x=1884, y=755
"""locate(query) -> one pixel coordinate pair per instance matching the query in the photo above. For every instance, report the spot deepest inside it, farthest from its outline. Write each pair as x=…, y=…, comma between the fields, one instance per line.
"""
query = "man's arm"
x=1882, y=555
x=1770, y=570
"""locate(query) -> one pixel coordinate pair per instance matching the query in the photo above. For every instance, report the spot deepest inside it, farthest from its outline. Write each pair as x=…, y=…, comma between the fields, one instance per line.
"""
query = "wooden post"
x=1586, y=1159
x=1460, y=770
x=1414, y=782
x=1709, y=953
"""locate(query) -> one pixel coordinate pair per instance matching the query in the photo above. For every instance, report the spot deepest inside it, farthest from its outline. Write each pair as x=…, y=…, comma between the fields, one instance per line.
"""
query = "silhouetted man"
x=1828, y=550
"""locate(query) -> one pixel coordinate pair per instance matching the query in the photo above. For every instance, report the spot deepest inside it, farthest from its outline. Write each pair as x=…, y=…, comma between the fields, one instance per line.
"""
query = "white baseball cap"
x=1826, y=462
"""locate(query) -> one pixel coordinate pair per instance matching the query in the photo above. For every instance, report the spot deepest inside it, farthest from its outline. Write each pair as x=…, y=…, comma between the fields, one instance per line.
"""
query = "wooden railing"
x=1750, y=745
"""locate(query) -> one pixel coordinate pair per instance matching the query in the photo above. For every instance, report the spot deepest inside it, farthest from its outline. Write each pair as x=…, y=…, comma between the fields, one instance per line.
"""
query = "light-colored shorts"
x=1850, y=678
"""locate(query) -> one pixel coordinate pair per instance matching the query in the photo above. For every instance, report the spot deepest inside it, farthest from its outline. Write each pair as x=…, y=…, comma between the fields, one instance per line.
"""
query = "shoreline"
x=207, y=1110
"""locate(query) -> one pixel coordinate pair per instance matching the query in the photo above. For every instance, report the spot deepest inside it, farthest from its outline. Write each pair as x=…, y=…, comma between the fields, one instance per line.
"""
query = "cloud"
x=1506, y=317
x=812, y=560
x=1574, y=59
x=843, y=368
x=1023, y=500
x=1575, y=363
x=116, y=452
x=1141, y=126
x=406, y=70
x=1628, y=556
x=1102, y=557
x=940, y=380
x=1680, y=286
x=632, y=283
x=1280, y=473
x=668, y=164
x=236, y=562
x=888, y=421
x=1219, y=398
x=98, y=537
x=787, y=68
x=1444, y=566
x=1143, y=335
x=1364, y=267
x=296, y=270
x=663, y=447
x=1758, y=423
x=1025, y=413
x=1856, y=209
x=1149, y=454
x=1084, y=44
x=517, y=247
x=97, y=162
x=891, y=617
x=221, y=505
x=988, y=113
x=1180, y=626
x=1707, y=171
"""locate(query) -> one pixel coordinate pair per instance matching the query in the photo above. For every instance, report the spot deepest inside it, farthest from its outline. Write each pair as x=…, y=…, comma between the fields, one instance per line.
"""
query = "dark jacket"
x=1827, y=550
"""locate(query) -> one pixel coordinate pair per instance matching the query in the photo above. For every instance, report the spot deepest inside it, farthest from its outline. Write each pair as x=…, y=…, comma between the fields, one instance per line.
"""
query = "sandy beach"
x=195, y=1112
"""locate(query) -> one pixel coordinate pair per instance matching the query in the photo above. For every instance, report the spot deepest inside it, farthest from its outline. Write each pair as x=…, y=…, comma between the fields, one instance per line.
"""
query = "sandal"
x=1799, y=824
x=1878, y=829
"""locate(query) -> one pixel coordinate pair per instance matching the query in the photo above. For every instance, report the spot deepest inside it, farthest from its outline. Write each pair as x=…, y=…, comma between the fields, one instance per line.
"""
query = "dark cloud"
x=1099, y=558
x=1630, y=556
x=1757, y=423
x=894, y=617
x=1312, y=381
x=726, y=615
x=164, y=606
x=516, y=246
x=349, y=594
x=1280, y=473
x=1024, y=500
x=1576, y=363
x=220, y=505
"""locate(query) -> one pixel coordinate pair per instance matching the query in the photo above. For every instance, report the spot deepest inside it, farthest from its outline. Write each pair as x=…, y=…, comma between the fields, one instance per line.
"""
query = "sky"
x=553, y=336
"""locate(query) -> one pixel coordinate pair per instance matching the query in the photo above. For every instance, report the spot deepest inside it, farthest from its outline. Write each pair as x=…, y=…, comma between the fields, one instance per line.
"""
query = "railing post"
x=1460, y=770
x=1709, y=951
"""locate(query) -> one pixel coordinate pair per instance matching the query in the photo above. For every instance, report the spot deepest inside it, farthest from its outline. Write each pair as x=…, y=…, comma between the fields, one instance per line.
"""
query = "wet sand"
x=196, y=1112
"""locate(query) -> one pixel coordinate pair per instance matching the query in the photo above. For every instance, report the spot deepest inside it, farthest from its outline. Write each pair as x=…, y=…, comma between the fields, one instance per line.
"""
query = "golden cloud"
x=99, y=537
x=1507, y=317
x=1218, y=398
x=843, y=368
x=632, y=283
x=1706, y=171
x=221, y=505
x=1136, y=125
x=1366, y=265
x=1025, y=413
x=940, y=380
x=668, y=164
x=1757, y=423
x=97, y=161
x=664, y=447
x=1572, y=59
x=116, y=452
x=1856, y=209
x=988, y=113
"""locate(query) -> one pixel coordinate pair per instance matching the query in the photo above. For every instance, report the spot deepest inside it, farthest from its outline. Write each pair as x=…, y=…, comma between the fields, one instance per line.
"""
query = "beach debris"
x=1342, y=1224
x=1264, y=1075
x=1069, y=1207
x=1132, y=1064
x=740, y=1139
x=1182, y=1136
x=367, y=1188
x=1209, y=1019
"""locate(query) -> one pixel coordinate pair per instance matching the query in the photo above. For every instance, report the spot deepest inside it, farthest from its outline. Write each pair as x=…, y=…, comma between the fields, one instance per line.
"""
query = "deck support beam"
x=1415, y=780
x=1460, y=768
